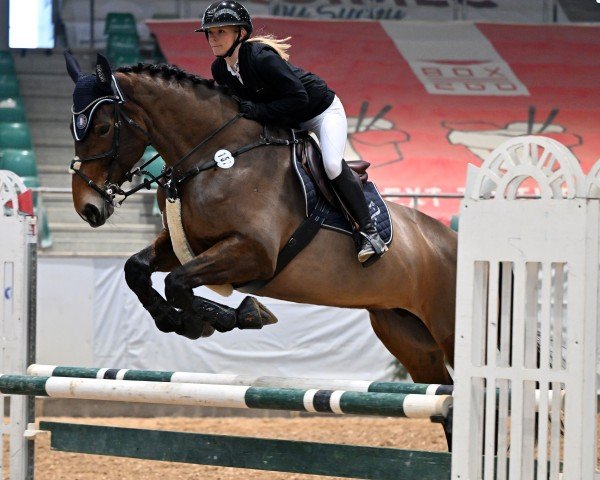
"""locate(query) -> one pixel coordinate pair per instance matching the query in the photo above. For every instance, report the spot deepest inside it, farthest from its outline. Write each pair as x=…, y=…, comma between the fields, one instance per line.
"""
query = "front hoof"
x=193, y=328
x=177, y=294
x=253, y=314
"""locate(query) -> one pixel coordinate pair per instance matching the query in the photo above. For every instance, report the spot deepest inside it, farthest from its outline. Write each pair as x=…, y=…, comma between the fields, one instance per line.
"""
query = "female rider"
x=272, y=90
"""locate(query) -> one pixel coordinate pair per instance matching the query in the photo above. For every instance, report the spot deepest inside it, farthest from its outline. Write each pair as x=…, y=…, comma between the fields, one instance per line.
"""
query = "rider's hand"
x=248, y=109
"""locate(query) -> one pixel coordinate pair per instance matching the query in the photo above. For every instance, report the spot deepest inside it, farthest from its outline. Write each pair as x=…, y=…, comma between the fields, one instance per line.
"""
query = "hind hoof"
x=253, y=314
x=165, y=317
x=221, y=317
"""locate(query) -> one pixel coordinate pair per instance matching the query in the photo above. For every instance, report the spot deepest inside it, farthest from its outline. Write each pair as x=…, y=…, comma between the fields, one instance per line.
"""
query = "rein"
x=111, y=190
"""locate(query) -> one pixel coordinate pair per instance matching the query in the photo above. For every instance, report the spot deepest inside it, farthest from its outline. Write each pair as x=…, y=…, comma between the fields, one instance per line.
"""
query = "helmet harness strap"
x=236, y=42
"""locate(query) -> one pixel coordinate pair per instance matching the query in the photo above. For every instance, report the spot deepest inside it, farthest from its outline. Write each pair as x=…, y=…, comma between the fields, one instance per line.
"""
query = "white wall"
x=87, y=316
x=64, y=315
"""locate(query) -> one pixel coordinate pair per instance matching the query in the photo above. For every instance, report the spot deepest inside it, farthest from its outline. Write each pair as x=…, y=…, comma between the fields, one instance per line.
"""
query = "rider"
x=272, y=90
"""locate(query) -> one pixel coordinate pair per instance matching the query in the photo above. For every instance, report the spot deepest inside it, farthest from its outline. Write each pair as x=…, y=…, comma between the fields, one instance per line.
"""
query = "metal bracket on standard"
x=32, y=431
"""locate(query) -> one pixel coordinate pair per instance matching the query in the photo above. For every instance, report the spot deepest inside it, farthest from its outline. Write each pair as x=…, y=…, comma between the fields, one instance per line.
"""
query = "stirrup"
x=373, y=245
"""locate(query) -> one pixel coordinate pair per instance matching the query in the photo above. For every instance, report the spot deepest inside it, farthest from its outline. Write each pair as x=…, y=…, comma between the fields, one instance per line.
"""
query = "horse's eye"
x=102, y=129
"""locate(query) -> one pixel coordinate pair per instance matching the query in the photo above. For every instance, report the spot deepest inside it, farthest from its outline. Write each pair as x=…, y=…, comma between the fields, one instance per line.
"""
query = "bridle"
x=111, y=189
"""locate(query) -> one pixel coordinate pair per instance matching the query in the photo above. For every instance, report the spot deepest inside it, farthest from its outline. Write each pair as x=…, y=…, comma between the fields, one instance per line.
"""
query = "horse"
x=236, y=220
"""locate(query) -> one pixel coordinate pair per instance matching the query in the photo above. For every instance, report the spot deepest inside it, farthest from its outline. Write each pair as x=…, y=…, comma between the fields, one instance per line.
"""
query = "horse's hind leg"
x=409, y=340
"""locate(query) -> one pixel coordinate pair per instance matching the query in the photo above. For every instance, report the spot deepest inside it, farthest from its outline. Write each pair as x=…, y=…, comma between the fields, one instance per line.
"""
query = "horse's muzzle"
x=96, y=216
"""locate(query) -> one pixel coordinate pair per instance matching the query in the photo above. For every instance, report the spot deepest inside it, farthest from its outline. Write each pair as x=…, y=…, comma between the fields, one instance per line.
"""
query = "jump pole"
x=230, y=396
x=232, y=379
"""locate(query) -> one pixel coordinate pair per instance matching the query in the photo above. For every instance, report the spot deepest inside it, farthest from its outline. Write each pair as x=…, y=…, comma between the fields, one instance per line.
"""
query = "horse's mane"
x=168, y=72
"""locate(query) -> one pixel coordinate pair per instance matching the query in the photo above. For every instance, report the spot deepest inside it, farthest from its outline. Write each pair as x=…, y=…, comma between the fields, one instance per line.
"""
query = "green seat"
x=22, y=162
x=120, y=23
x=123, y=60
x=154, y=169
x=122, y=44
x=6, y=62
x=9, y=86
x=44, y=234
x=454, y=223
x=12, y=110
x=15, y=135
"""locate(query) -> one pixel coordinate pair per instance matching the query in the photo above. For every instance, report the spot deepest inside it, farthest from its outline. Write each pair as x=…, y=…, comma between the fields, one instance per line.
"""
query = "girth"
x=307, y=230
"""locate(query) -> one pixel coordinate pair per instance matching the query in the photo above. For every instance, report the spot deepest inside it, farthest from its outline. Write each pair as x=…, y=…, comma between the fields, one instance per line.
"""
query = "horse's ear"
x=73, y=66
x=103, y=72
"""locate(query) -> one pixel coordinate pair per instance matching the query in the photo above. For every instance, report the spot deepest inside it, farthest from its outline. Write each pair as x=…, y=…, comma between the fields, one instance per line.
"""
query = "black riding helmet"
x=227, y=13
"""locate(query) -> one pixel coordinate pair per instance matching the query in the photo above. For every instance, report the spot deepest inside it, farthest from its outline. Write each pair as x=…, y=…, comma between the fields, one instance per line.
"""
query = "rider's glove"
x=248, y=109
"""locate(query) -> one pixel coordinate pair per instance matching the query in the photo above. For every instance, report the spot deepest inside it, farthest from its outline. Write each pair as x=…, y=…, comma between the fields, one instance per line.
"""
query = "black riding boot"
x=349, y=188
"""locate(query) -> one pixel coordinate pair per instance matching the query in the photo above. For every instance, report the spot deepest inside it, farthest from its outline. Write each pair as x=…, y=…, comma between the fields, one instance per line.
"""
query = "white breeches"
x=331, y=128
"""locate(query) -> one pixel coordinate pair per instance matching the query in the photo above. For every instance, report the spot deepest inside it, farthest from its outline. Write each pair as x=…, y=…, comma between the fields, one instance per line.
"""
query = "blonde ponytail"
x=277, y=44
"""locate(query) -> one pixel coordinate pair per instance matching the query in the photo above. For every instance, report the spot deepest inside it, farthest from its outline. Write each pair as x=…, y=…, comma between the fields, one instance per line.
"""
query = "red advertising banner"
x=425, y=99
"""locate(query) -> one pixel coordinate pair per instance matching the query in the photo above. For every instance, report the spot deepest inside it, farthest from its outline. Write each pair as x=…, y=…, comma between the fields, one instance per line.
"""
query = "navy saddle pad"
x=334, y=218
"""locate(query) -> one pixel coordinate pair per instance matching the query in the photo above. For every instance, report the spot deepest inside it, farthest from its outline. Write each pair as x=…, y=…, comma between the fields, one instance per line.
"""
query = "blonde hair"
x=277, y=44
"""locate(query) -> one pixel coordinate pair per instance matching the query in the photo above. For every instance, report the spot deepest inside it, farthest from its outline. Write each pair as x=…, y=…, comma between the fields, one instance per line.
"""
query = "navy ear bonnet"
x=90, y=92
x=87, y=97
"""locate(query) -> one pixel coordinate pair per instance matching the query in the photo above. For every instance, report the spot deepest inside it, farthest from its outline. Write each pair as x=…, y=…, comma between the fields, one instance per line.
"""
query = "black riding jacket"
x=282, y=93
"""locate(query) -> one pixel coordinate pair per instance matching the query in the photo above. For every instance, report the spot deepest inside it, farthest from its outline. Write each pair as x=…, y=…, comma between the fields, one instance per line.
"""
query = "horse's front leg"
x=233, y=260
x=159, y=257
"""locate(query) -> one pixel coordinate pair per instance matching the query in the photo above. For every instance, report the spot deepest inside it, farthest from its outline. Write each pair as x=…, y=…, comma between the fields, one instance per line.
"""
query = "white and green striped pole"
x=232, y=379
x=230, y=396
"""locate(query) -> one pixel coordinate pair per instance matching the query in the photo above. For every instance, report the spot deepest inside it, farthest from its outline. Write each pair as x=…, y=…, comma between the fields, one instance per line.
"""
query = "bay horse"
x=237, y=220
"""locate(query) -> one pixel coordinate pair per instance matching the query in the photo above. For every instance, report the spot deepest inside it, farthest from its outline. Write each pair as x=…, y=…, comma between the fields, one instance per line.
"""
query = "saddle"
x=309, y=155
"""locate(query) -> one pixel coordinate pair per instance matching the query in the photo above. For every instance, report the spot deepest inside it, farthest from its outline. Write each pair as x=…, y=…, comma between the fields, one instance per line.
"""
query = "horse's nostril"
x=93, y=215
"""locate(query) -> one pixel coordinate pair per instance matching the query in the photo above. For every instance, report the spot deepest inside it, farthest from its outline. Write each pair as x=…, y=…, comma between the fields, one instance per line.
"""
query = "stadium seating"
x=22, y=162
x=9, y=86
x=15, y=135
x=117, y=22
x=123, y=42
x=16, y=148
x=12, y=110
x=154, y=169
x=6, y=62
x=123, y=60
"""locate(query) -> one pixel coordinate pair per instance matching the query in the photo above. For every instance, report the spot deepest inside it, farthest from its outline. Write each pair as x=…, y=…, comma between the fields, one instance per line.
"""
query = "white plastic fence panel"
x=17, y=236
x=518, y=375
